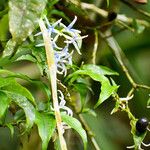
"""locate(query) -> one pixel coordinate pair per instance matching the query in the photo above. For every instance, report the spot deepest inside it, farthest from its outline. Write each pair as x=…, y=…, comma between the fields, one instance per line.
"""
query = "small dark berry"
x=112, y=16
x=141, y=125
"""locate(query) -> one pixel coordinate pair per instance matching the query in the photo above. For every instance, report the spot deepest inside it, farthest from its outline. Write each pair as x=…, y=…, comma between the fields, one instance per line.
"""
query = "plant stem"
x=95, y=48
x=112, y=43
x=52, y=76
x=89, y=132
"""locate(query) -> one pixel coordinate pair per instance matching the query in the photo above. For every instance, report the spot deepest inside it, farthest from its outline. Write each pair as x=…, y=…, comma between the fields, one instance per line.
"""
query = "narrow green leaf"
x=23, y=17
x=25, y=105
x=76, y=125
x=4, y=103
x=52, y=3
x=60, y=13
x=26, y=57
x=11, y=127
x=4, y=28
x=46, y=124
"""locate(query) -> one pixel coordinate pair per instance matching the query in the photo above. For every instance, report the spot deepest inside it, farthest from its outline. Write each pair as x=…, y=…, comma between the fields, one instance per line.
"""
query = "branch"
x=103, y=13
x=52, y=75
x=112, y=43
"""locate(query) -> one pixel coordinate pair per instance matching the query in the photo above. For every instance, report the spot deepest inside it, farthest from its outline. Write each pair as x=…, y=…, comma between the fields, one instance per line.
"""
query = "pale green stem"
x=95, y=48
x=53, y=78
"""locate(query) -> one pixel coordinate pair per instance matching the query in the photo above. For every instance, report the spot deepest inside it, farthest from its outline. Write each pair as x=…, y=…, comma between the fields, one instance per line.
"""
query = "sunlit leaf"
x=23, y=17
x=26, y=57
x=46, y=124
x=76, y=125
x=102, y=70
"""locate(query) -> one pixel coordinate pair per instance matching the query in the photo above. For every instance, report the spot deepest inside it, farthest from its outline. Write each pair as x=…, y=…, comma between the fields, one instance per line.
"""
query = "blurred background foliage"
x=112, y=131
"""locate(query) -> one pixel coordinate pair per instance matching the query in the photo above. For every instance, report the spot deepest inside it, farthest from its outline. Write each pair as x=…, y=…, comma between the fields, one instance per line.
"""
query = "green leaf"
x=7, y=73
x=4, y=103
x=23, y=17
x=76, y=125
x=9, y=49
x=102, y=70
x=11, y=127
x=4, y=28
x=97, y=73
x=26, y=57
x=46, y=124
x=60, y=13
x=25, y=105
x=106, y=91
x=52, y=3
x=82, y=89
x=15, y=87
x=5, y=82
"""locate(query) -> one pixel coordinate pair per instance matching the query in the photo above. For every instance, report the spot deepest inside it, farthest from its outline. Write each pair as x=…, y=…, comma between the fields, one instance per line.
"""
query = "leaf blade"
x=76, y=125
x=46, y=125
x=23, y=16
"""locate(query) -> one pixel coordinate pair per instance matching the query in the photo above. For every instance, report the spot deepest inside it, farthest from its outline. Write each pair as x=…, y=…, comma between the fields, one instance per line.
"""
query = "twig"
x=143, y=86
x=136, y=9
x=89, y=132
x=101, y=12
x=112, y=43
x=52, y=75
x=120, y=17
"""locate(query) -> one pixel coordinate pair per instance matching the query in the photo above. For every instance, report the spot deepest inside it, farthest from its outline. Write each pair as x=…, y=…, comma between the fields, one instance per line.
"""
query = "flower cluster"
x=62, y=39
